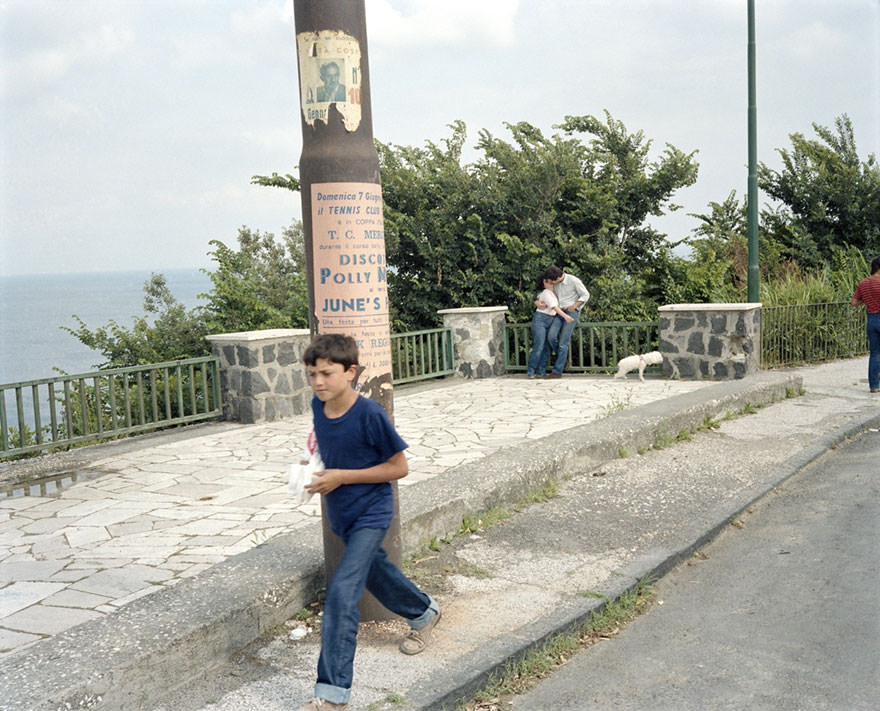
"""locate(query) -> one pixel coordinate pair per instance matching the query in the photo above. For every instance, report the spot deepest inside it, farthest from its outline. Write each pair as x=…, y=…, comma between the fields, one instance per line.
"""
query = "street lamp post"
x=752, y=215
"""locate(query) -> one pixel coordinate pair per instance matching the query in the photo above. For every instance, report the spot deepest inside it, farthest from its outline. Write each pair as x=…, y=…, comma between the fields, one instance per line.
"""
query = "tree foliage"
x=467, y=235
x=828, y=196
x=260, y=285
x=173, y=334
x=476, y=234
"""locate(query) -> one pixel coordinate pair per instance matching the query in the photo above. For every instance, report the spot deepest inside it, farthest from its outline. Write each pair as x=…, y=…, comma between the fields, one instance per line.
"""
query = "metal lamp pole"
x=752, y=210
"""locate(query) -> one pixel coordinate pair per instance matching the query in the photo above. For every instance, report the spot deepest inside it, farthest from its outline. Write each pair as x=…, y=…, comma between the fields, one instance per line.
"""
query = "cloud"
x=431, y=23
x=263, y=20
x=104, y=43
x=814, y=39
x=284, y=139
x=220, y=195
x=65, y=113
x=44, y=65
x=250, y=34
x=49, y=65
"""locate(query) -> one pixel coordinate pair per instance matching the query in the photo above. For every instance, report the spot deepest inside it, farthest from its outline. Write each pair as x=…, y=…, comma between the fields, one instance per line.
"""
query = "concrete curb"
x=461, y=680
x=160, y=641
x=503, y=478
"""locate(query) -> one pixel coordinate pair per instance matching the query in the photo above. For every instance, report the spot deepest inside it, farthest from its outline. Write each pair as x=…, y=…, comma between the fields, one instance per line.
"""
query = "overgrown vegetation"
x=260, y=285
x=523, y=674
x=468, y=234
x=174, y=332
x=470, y=525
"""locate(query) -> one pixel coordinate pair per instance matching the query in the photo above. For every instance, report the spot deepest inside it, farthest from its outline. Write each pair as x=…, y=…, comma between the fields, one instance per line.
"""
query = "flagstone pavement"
x=138, y=518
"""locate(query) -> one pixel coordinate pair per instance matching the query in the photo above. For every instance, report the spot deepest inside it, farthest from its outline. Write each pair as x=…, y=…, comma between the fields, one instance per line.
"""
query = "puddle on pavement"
x=44, y=486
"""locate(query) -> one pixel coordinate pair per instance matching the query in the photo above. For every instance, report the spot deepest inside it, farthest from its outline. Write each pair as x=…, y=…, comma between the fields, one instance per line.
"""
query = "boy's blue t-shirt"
x=363, y=437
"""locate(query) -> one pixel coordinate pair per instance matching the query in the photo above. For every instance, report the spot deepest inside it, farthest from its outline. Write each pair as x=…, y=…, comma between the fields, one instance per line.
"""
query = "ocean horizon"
x=35, y=308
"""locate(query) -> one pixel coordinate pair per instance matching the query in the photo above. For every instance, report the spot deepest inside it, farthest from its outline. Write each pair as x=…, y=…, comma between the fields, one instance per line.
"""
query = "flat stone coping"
x=473, y=310
x=266, y=335
x=743, y=306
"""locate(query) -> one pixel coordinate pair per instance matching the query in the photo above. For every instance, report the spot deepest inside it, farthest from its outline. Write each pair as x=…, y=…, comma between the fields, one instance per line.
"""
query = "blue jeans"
x=559, y=337
x=540, y=344
x=364, y=564
x=874, y=357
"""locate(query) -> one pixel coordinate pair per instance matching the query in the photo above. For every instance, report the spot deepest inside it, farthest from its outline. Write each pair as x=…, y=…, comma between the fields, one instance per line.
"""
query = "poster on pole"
x=349, y=276
x=330, y=73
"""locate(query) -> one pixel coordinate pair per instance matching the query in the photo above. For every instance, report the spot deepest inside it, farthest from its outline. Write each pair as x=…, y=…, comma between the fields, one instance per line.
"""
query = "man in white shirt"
x=572, y=295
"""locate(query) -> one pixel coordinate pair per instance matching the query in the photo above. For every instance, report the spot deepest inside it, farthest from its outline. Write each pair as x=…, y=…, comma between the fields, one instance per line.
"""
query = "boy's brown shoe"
x=323, y=705
x=417, y=640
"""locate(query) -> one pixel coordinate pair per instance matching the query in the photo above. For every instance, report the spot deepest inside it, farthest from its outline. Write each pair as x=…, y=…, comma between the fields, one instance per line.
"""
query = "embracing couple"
x=559, y=304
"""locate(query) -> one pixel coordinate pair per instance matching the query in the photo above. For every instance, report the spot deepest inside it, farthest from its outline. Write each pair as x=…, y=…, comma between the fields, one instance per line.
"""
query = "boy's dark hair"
x=553, y=272
x=334, y=347
x=875, y=265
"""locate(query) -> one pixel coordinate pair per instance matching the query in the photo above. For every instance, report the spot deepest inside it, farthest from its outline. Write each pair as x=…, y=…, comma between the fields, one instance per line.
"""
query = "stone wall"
x=717, y=341
x=262, y=376
x=478, y=340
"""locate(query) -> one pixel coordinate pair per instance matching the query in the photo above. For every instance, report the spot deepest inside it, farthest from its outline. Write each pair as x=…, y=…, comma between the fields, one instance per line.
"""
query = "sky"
x=130, y=129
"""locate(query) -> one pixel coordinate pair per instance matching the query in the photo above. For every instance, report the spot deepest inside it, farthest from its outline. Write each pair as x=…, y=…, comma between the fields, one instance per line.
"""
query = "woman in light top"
x=540, y=324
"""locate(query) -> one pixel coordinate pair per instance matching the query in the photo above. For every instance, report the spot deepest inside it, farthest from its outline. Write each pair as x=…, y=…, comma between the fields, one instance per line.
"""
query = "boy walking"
x=362, y=454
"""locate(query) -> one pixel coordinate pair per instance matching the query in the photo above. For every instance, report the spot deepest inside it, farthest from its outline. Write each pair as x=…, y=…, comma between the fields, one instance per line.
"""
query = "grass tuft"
x=523, y=674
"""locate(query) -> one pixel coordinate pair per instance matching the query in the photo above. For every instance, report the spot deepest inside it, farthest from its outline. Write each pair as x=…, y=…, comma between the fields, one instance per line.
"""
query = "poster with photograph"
x=330, y=73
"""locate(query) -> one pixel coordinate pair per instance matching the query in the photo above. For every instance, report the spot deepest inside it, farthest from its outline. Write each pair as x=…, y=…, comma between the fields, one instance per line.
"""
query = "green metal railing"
x=41, y=415
x=421, y=355
x=596, y=346
x=811, y=333
x=72, y=409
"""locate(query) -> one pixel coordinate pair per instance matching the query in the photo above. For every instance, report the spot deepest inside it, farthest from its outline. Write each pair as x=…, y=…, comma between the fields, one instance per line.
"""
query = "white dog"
x=630, y=363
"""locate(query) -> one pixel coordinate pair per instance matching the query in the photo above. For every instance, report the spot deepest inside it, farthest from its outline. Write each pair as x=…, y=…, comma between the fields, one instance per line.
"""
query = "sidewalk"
x=140, y=541
x=139, y=519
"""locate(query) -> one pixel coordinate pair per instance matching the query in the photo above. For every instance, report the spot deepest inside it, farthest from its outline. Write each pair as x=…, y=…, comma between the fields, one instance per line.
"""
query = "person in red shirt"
x=868, y=293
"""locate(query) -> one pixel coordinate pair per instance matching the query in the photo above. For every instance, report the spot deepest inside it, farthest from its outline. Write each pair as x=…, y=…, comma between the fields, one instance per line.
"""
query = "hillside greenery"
x=469, y=234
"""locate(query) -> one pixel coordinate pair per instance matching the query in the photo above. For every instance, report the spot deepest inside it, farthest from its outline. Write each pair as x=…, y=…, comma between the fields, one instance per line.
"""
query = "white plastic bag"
x=305, y=471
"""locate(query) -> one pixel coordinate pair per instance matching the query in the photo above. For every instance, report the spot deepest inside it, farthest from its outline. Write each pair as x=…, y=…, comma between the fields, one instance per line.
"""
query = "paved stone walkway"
x=145, y=517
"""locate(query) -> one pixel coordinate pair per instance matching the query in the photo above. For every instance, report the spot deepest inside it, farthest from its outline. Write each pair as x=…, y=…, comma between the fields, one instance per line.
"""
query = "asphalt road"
x=782, y=614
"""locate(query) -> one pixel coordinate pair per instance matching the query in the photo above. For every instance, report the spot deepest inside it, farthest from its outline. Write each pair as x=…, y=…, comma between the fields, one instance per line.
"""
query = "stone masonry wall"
x=717, y=341
x=478, y=339
x=262, y=376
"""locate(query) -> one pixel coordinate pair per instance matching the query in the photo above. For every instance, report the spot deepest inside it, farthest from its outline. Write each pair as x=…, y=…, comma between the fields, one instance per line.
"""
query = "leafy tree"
x=476, y=234
x=261, y=285
x=438, y=250
x=718, y=267
x=286, y=181
x=828, y=196
x=619, y=163
x=479, y=234
x=615, y=293
x=175, y=332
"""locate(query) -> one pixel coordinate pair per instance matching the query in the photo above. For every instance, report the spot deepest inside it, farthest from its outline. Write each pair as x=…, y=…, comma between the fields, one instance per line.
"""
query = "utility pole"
x=342, y=213
x=754, y=291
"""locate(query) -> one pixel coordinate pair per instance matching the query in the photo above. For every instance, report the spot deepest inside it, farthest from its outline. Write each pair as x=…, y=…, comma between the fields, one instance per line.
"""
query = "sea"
x=34, y=310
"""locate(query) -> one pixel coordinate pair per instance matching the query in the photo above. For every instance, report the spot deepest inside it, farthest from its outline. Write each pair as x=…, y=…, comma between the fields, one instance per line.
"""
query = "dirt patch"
x=433, y=570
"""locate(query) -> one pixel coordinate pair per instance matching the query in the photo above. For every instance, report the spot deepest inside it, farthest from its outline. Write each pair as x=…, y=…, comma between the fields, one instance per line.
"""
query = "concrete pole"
x=342, y=212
